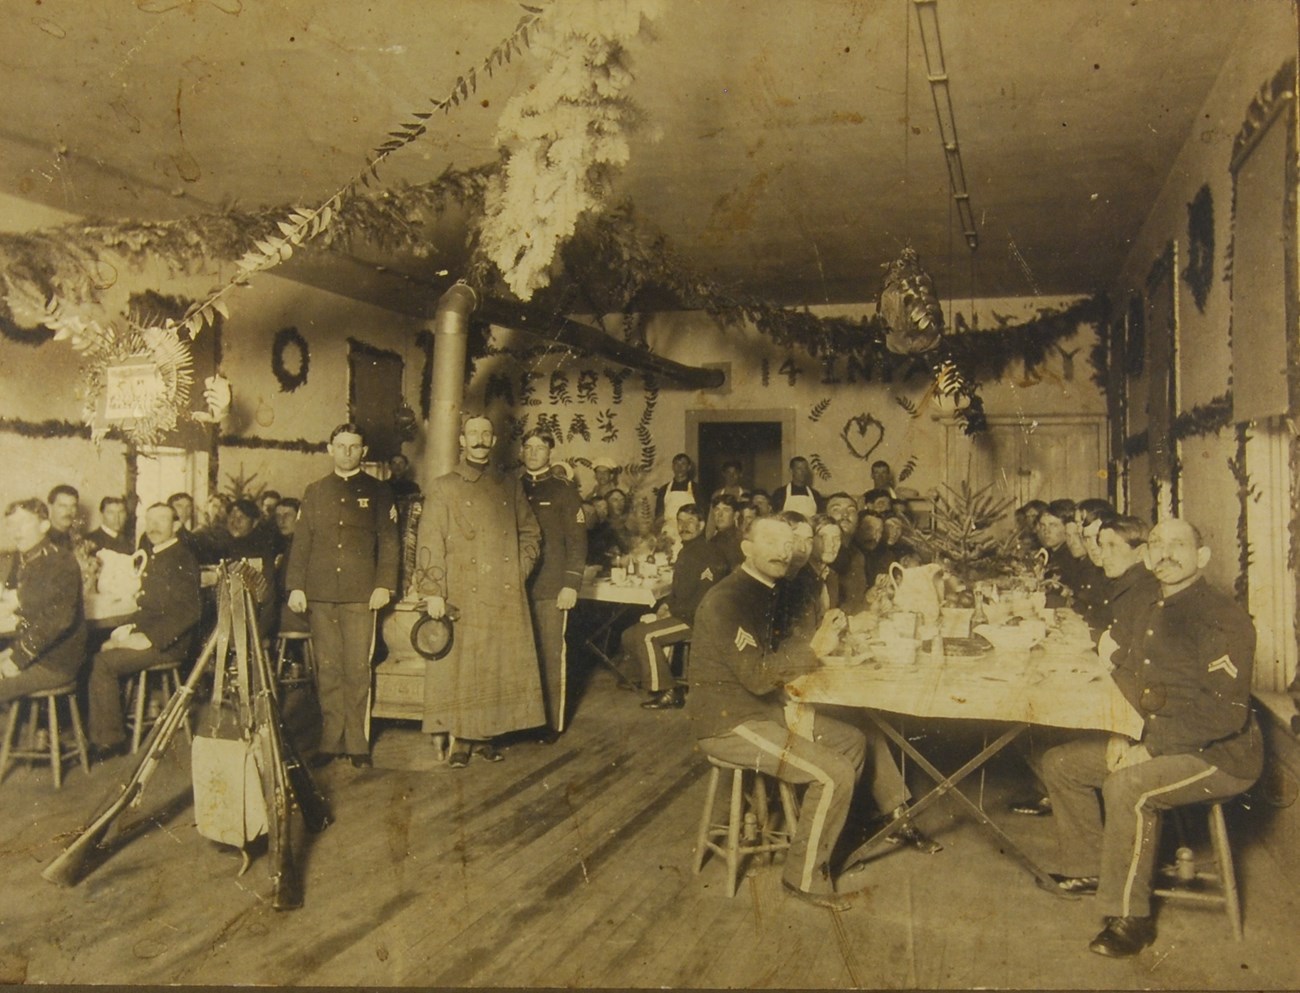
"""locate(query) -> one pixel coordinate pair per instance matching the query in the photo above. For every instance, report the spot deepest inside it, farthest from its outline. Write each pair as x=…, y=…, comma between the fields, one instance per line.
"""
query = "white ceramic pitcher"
x=918, y=588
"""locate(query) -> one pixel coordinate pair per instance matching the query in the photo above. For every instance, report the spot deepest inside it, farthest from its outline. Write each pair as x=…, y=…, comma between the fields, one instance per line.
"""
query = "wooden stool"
x=1221, y=890
x=306, y=663
x=55, y=752
x=750, y=829
x=137, y=694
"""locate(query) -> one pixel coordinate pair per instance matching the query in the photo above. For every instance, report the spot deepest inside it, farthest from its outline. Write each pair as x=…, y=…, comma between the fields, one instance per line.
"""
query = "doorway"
x=762, y=441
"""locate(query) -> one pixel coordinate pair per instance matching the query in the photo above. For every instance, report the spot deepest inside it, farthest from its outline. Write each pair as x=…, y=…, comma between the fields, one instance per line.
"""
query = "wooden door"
x=1029, y=458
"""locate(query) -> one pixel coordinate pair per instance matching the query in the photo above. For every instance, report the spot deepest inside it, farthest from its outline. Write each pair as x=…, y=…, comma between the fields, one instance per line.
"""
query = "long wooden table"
x=1058, y=685
x=622, y=598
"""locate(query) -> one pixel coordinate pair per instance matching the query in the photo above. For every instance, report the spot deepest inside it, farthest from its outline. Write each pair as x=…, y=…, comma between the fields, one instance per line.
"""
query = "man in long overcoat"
x=482, y=541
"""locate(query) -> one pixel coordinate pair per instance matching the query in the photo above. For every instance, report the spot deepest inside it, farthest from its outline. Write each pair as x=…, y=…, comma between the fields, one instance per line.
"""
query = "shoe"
x=665, y=700
x=1124, y=936
x=830, y=901
x=1041, y=807
x=1071, y=886
x=488, y=751
x=548, y=737
x=321, y=759
x=458, y=758
x=102, y=753
x=361, y=761
x=907, y=834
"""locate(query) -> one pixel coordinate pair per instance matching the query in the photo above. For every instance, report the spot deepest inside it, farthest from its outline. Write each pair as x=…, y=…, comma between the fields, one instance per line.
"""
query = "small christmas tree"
x=964, y=533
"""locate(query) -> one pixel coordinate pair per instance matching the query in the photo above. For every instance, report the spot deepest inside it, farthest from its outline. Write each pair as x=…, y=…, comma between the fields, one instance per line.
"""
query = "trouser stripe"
x=652, y=648
x=1139, y=824
x=823, y=804
x=562, y=706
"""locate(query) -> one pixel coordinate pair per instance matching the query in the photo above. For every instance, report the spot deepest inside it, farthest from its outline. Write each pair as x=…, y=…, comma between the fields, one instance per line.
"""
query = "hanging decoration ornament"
x=563, y=137
x=406, y=422
x=910, y=309
x=136, y=380
x=265, y=415
x=290, y=359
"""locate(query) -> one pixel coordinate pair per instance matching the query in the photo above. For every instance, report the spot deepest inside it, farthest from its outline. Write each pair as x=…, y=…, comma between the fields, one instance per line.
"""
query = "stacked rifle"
x=245, y=689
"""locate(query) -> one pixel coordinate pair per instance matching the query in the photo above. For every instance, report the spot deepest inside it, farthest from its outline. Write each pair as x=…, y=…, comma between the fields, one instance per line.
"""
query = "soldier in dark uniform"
x=1130, y=586
x=699, y=565
x=65, y=513
x=736, y=705
x=167, y=610
x=49, y=641
x=1187, y=669
x=553, y=586
x=725, y=535
x=111, y=533
x=343, y=566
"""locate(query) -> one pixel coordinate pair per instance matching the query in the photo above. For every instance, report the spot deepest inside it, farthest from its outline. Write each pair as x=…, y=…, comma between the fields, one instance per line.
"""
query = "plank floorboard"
x=570, y=866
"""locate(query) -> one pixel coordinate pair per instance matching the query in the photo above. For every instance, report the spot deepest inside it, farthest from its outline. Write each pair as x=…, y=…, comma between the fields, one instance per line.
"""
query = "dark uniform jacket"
x=99, y=538
x=168, y=606
x=728, y=545
x=736, y=675
x=1187, y=670
x=1091, y=591
x=850, y=568
x=799, y=607
x=345, y=544
x=51, y=628
x=558, y=509
x=1124, y=602
x=699, y=567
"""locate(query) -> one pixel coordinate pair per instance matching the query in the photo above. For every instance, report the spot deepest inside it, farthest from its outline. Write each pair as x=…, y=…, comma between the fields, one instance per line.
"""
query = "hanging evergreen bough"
x=562, y=138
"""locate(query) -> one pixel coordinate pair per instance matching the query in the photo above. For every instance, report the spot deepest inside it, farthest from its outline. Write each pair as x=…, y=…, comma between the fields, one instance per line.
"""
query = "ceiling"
x=792, y=148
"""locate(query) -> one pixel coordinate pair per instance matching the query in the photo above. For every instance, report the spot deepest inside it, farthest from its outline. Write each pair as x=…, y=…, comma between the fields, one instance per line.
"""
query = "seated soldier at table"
x=48, y=644
x=1130, y=586
x=722, y=529
x=1185, y=664
x=111, y=531
x=799, y=607
x=737, y=680
x=1128, y=589
x=699, y=565
x=168, y=608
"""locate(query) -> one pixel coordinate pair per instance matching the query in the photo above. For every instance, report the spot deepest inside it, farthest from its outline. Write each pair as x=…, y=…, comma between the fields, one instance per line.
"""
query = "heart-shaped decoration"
x=863, y=434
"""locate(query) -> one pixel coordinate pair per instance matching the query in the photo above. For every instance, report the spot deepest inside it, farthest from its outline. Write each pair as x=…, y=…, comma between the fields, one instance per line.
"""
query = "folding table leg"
x=947, y=785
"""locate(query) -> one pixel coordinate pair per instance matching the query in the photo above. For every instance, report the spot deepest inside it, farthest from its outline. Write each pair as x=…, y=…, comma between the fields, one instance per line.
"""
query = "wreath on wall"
x=290, y=359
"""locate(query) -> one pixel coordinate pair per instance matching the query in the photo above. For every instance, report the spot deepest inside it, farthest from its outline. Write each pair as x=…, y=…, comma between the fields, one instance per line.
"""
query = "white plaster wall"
x=694, y=339
x=1209, y=493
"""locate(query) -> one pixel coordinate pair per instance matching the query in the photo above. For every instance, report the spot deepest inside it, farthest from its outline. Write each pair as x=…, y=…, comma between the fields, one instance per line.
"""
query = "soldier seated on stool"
x=699, y=565
x=49, y=641
x=1184, y=661
x=737, y=680
x=167, y=610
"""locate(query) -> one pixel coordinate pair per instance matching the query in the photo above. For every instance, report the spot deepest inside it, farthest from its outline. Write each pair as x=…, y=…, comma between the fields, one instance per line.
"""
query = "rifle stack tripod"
x=287, y=786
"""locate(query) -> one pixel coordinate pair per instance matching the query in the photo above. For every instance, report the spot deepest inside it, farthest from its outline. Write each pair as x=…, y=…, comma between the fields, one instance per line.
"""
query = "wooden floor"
x=570, y=865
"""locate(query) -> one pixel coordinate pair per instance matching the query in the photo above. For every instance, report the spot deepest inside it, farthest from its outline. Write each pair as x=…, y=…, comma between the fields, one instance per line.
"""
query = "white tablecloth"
x=1067, y=688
